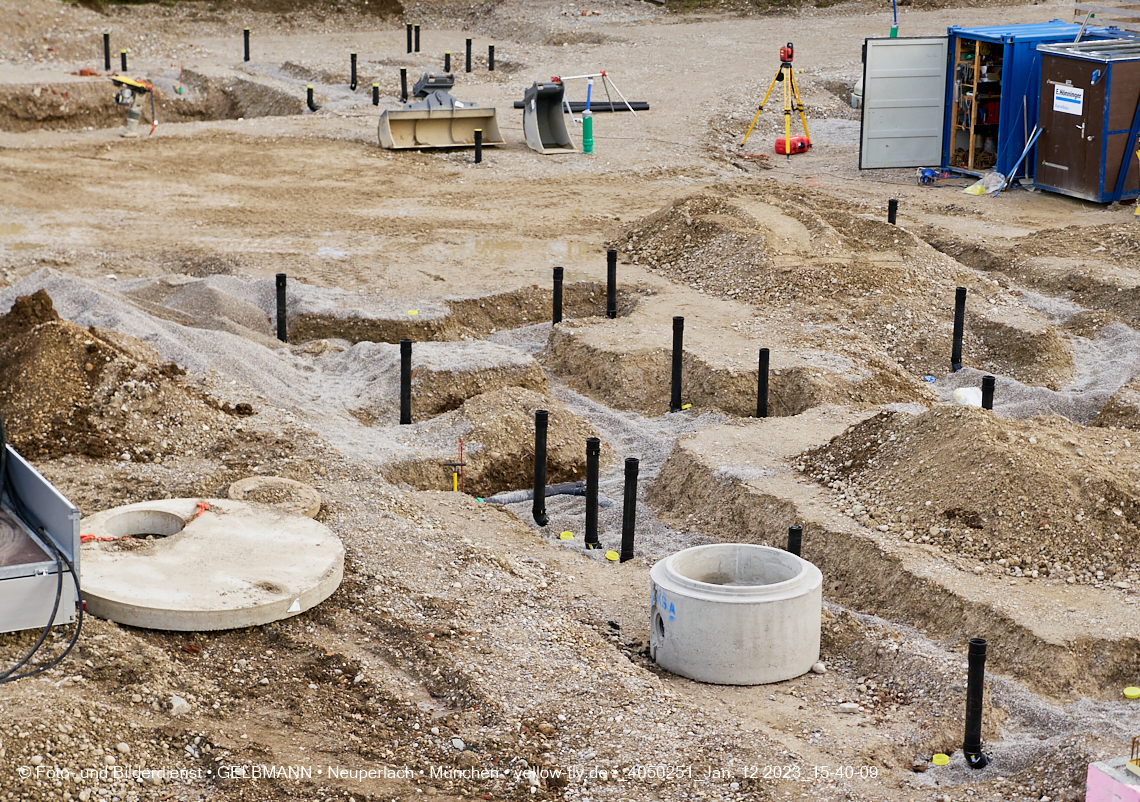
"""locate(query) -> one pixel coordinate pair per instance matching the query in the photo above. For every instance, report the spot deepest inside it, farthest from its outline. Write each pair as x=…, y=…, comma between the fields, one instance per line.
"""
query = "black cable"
x=21, y=510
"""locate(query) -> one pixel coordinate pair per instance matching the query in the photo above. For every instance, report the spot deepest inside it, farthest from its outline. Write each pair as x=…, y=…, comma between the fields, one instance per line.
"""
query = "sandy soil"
x=463, y=636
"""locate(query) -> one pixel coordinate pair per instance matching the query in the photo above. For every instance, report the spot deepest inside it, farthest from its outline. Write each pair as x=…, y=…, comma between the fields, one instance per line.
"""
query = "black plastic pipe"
x=375, y=94
x=478, y=145
x=107, y=51
x=675, y=384
x=309, y=98
x=988, y=383
x=629, y=509
x=403, y=84
x=245, y=36
x=417, y=31
x=282, y=335
x=892, y=210
x=959, y=328
x=490, y=58
x=557, y=295
x=408, y=26
x=122, y=61
x=975, y=685
x=352, y=71
x=593, y=457
x=405, y=381
x=795, y=539
x=538, y=510
x=611, y=283
x=468, y=55
x=447, y=61
x=762, y=385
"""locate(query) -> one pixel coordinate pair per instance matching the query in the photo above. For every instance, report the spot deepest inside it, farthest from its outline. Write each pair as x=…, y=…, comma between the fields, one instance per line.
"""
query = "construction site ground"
x=468, y=653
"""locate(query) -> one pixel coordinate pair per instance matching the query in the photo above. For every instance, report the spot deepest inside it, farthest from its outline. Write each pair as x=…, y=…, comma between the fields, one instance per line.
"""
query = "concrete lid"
x=229, y=565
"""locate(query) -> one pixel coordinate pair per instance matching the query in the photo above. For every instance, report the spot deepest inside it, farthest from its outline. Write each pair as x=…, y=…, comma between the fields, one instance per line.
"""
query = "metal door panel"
x=1071, y=116
x=904, y=102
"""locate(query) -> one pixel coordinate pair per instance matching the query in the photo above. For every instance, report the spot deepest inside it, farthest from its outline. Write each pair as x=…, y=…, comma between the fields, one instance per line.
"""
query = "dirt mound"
x=1036, y=498
x=1123, y=409
x=69, y=390
x=840, y=265
x=498, y=434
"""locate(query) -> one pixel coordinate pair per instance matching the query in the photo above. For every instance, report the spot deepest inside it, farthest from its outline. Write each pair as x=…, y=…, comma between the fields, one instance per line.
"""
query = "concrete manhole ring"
x=298, y=497
x=212, y=564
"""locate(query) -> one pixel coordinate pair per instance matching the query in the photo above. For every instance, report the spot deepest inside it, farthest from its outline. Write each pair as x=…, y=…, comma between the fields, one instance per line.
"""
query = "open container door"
x=904, y=102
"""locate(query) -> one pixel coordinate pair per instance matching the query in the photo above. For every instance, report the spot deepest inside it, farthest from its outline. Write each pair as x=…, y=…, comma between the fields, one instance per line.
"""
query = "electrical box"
x=29, y=572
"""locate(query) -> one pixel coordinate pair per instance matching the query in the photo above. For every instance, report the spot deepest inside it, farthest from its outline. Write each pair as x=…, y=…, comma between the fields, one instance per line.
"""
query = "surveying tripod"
x=787, y=76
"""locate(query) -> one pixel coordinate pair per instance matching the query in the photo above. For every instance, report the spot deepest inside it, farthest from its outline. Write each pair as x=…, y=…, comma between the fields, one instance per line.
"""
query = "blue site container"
x=1006, y=99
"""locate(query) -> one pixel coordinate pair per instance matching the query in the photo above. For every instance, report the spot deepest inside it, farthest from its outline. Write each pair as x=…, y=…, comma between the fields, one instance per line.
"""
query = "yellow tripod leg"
x=788, y=116
x=763, y=102
x=800, y=106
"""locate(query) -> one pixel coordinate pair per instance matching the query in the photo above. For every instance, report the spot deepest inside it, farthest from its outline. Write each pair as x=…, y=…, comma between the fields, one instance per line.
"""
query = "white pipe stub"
x=210, y=564
x=300, y=498
x=735, y=614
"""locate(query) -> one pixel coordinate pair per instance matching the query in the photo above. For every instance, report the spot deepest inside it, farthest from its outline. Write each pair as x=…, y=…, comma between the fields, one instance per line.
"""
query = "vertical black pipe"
x=309, y=98
x=352, y=71
x=469, y=54
x=611, y=283
x=558, y=295
x=593, y=457
x=282, y=335
x=107, y=51
x=405, y=381
x=959, y=326
x=629, y=509
x=675, y=384
x=795, y=539
x=892, y=210
x=490, y=58
x=478, y=145
x=538, y=508
x=375, y=94
x=245, y=36
x=417, y=31
x=762, y=385
x=447, y=61
x=408, y=26
x=975, y=685
x=988, y=383
x=403, y=84
x=122, y=61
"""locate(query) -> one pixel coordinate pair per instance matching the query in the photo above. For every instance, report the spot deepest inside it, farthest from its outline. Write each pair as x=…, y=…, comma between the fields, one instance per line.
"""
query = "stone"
x=847, y=707
x=263, y=681
x=546, y=728
x=818, y=668
x=458, y=743
x=109, y=760
x=36, y=760
x=178, y=706
x=124, y=748
x=468, y=759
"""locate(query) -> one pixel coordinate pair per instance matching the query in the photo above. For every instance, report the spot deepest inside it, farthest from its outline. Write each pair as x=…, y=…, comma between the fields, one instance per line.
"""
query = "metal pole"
x=405, y=381
x=593, y=456
x=281, y=333
x=107, y=51
x=557, y=295
x=611, y=283
x=795, y=539
x=538, y=508
x=988, y=383
x=468, y=55
x=762, y=385
x=245, y=35
x=959, y=327
x=975, y=685
x=892, y=210
x=675, y=384
x=629, y=509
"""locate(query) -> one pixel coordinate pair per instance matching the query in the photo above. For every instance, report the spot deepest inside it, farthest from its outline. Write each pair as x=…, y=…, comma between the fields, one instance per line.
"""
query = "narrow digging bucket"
x=438, y=121
x=544, y=121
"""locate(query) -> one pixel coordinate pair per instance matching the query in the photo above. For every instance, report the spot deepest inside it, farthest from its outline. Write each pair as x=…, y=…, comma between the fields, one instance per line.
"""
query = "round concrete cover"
x=230, y=565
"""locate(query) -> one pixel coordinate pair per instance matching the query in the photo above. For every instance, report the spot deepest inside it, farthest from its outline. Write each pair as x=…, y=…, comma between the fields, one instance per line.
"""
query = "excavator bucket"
x=438, y=121
x=544, y=121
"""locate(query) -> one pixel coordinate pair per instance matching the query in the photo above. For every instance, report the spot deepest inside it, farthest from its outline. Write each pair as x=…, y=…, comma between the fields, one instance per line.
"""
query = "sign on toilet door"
x=1068, y=99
